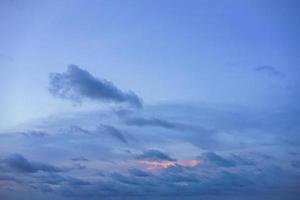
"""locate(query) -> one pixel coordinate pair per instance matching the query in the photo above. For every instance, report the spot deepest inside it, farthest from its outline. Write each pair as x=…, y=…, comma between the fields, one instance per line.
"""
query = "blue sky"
x=188, y=51
x=204, y=86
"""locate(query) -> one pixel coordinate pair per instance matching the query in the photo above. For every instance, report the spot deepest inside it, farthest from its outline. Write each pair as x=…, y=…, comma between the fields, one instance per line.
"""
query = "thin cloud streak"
x=271, y=70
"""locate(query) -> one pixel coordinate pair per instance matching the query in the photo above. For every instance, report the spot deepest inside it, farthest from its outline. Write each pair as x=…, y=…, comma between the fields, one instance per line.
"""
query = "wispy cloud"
x=155, y=122
x=156, y=165
x=155, y=155
x=80, y=158
x=77, y=84
x=114, y=132
x=5, y=58
x=271, y=70
x=18, y=163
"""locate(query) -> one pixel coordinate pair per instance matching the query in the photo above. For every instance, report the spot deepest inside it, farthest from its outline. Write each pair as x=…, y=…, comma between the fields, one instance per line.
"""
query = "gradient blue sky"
x=160, y=99
x=200, y=51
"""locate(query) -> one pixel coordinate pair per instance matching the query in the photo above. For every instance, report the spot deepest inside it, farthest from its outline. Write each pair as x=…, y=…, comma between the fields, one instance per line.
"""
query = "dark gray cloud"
x=296, y=163
x=239, y=160
x=155, y=155
x=129, y=117
x=113, y=132
x=155, y=122
x=34, y=133
x=130, y=180
x=80, y=158
x=172, y=176
x=57, y=179
x=8, y=177
x=100, y=133
x=271, y=70
x=18, y=163
x=232, y=160
x=78, y=130
x=229, y=180
x=215, y=159
x=77, y=84
x=138, y=172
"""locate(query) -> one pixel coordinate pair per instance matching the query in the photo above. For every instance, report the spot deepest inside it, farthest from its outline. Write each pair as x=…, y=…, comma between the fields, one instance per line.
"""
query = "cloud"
x=212, y=159
x=5, y=177
x=130, y=119
x=215, y=159
x=18, y=163
x=270, y=70
x=296, y=163
x=155, y=122
x=80, y=158
x=129, y=180
x=5, y=58
x=113, y=132
x=57, y=179
x=155, y=155
x=174, y=165
x=34, y=133
x=175, y=177
x=77, y=84
x=78, y=130
x=138, y=170
x=139, y=173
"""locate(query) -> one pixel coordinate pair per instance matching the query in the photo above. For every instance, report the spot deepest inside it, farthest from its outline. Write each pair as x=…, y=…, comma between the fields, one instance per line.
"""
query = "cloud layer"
x=98, y=156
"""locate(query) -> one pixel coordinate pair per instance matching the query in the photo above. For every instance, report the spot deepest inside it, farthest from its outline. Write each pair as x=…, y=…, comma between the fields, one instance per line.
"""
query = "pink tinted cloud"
x=156, y=165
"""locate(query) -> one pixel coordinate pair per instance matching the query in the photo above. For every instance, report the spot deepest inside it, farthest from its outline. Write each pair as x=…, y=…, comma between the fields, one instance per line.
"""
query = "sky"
x=165, y=99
